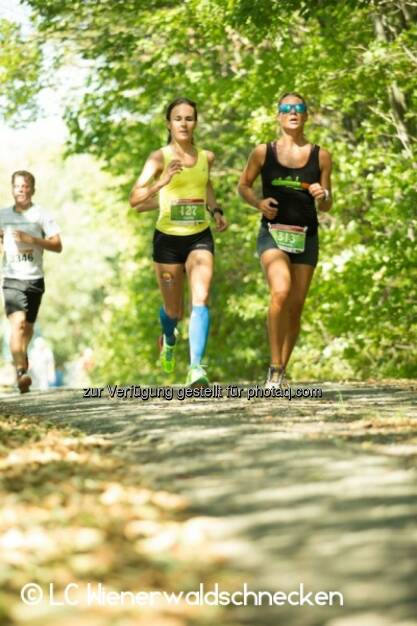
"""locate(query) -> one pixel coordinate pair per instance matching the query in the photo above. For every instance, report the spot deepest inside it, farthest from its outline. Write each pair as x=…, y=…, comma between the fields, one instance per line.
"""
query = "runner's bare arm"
x=142, y=197
x=250, y=174
x=221, y=221
x=322, y=192
x=150, y=204
x=267, y=206
x=144, y=189
x=53, y=244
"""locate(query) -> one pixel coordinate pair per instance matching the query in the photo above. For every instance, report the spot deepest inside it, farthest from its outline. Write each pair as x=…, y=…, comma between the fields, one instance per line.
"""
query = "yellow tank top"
x=188, y=189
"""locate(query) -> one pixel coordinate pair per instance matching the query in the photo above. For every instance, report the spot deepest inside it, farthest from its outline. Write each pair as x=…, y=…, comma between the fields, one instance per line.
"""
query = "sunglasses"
x=300, y=107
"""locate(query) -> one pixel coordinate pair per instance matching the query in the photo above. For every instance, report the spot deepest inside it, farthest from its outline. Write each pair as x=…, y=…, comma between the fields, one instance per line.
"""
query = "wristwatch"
x=216, y=209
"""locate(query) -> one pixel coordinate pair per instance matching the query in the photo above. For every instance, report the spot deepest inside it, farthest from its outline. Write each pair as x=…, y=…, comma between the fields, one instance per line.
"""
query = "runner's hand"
x=175, y=167
x=221, y=222
x=268, y=207
x=22, y=237
x=317, y=191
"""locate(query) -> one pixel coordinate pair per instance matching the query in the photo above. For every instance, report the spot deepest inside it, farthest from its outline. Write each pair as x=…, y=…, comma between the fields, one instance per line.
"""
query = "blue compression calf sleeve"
x=198, y=333
x=169, y=325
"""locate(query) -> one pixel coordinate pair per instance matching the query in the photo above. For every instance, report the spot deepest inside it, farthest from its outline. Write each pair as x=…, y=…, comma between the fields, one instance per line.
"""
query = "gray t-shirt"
x=21, y=260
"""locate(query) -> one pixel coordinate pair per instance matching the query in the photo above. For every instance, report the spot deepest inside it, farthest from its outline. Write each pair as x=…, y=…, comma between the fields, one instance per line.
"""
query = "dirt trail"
x=314, y=491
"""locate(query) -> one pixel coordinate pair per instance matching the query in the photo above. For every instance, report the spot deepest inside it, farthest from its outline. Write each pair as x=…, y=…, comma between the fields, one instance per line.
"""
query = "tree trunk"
x=396, y=96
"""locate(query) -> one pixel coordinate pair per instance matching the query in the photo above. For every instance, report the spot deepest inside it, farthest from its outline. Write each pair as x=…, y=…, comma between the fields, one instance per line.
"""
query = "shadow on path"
x=320, y=492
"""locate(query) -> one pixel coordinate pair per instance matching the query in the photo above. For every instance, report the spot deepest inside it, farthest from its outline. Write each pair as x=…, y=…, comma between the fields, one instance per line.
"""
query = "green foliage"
x=78, y=279
x=20, y=66
x=356, y=64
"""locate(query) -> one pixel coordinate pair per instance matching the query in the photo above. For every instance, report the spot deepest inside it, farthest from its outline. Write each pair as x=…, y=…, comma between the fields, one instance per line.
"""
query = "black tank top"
x=295, y=205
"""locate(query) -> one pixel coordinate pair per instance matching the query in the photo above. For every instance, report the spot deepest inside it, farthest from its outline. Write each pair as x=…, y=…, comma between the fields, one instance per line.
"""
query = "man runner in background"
x=26, y=230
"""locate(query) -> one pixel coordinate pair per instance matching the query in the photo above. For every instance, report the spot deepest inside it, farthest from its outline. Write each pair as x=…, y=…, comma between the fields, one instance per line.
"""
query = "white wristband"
x=326, y=195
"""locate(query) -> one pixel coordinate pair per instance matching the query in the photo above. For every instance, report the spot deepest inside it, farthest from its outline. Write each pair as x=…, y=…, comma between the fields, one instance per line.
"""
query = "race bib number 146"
x=23, y=256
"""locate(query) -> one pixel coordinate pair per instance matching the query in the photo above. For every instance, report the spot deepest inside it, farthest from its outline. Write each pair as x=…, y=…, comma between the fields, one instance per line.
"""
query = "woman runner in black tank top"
x=296, y=206
x=295, y=180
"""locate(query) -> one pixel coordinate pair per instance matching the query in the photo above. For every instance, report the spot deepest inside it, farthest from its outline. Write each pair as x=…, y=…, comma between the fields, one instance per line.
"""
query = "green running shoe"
x=197, y=377
x=166, y=356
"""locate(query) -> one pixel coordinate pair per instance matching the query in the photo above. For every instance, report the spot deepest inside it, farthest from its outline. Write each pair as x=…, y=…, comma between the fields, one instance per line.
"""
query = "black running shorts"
x=23, y=295
x=310, y=255
x=176, y=248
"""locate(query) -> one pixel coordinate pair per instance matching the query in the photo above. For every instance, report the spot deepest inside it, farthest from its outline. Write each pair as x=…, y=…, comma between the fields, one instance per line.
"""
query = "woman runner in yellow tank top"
x=176, y=180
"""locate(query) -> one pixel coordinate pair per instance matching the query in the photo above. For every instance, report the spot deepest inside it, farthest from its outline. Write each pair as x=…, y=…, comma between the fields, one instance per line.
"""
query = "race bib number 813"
x=289, y=238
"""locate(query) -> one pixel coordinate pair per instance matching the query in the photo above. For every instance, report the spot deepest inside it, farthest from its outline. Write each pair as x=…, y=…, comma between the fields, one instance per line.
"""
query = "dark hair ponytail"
x=175, y=103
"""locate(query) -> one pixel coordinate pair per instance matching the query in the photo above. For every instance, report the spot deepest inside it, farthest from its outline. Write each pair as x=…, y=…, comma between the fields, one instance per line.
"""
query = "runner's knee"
x=19, y=326
x=279, y=297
